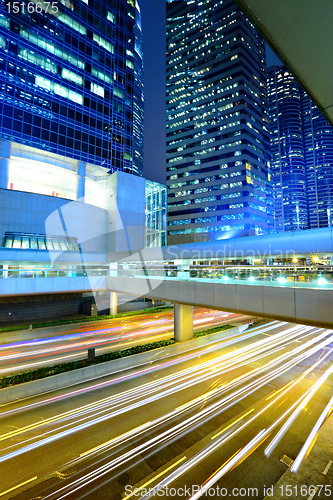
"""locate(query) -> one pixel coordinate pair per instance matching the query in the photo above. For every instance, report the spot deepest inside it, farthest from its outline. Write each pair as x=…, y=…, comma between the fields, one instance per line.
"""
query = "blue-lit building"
x=318, y=155
x=71, y=138
x=287, y=151
x=218, y=171
x=301, y=156
x=72, y=80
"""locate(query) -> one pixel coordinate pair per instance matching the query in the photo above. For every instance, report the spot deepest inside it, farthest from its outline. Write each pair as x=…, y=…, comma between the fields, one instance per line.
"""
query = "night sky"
x=153, y=27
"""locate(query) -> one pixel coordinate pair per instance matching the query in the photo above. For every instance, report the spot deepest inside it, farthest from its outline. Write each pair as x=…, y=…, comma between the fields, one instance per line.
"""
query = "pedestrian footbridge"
x=287, y=277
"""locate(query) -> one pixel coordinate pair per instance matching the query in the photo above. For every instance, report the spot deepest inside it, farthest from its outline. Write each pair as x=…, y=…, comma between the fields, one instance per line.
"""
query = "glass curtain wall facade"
x=301, y=156
x=318, y=151
x=155, y=214
x=287, y=151
x=138, y=98
x=218, y=171
x=69, y=79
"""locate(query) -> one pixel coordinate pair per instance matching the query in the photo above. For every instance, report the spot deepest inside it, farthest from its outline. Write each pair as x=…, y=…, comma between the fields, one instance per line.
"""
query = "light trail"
x=152, y=391
x=223, y=439
x=174, y=379
x=227, y=341
x=128, y=408
x=312, y=437
x=102, y=339
x=79, y=335
x=181, y=429
x=233, y=462
x=310, y=393
x=139, y=390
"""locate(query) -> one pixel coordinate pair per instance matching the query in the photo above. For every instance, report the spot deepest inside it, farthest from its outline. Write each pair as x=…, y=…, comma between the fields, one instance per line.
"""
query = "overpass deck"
x=297, y=297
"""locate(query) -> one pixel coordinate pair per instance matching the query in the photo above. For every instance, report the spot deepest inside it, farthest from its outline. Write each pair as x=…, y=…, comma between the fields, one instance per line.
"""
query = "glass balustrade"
x=301, y=276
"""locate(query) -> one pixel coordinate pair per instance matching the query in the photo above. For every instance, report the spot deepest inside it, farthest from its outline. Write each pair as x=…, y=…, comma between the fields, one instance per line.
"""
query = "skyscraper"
x=217, y=123
x=72, y=80
x=301, y=156
x=318, y=151
x=287, y=151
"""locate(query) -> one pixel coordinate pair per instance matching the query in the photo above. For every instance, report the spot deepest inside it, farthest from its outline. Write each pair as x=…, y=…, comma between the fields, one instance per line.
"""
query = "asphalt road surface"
x=203, y=418
x=28, y=350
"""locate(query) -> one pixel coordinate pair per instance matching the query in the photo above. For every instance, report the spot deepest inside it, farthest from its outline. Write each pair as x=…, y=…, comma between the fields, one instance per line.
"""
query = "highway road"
x=27, y=350
x=221, y=416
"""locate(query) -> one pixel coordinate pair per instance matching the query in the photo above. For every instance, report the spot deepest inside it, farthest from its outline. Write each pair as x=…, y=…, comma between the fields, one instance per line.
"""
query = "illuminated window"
x=72, y=24
x=103, y=43
x=43, y=82
x=4, y=22
x=97, y=89
x=111, y=17
x=38, y=60
x=73, y=77
x=46, y=45
x=67, y=3
x=101, y=75
x=74, y=96
x=119, y=93
x=58, y=89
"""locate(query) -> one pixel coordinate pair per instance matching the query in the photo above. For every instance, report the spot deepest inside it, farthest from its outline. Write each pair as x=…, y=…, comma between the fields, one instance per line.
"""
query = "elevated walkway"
x=274, y=276
x=305, y=303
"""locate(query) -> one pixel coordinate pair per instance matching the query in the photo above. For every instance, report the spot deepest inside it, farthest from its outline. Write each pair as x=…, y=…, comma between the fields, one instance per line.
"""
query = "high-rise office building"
x=287, y=151
x=218, y=170
x=318, y=155
x=301, y=156
x=72, y=80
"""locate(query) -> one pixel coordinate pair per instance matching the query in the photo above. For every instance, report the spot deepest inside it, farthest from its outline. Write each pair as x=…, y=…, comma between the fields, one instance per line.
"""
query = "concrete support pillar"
x=5, y=147
x=81, y=181
x=183, y=322
x=113, y=303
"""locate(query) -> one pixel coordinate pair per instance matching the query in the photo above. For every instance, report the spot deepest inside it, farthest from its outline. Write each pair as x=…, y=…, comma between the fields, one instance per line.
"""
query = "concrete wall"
x=30, y=213
x=40, y=308
x=28, y=286
x=126, y=212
